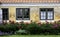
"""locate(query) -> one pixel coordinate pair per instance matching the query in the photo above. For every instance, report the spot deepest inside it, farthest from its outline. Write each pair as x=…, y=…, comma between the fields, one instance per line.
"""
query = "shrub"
x=45, y=28
x=9, y=28
x=22, y=32
x=23, y=25
x=33, y=28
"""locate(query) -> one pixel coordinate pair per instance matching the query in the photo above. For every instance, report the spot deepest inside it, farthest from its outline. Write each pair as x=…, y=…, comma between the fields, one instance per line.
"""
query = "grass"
x=31, y=36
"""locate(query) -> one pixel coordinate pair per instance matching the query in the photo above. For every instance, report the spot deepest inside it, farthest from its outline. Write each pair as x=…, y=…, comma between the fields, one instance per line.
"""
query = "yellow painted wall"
x=57, y=13
x=12, y=13
x=34, y=12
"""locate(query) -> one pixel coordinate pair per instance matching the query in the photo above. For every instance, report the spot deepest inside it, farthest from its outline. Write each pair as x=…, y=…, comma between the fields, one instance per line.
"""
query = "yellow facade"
x=34, y=12
x=12, y=13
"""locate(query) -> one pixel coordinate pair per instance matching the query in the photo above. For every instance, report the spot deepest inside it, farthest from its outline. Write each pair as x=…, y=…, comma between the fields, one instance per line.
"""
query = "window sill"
x=46, y=20
x=6, y=20
x=23, y=20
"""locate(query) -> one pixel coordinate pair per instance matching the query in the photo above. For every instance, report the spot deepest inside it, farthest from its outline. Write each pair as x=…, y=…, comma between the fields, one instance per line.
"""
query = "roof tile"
x=29, y=1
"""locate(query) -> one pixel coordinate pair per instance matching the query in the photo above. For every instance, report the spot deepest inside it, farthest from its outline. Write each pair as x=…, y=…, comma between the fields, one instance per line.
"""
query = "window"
x=46, y=13
x=22, y=13
x=5, y=13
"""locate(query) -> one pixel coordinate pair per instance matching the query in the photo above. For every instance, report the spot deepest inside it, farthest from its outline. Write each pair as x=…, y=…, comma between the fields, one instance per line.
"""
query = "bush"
x=9, y=28
x=31, y=28
x=22, y=25
x=45, y=28
x=22, y=32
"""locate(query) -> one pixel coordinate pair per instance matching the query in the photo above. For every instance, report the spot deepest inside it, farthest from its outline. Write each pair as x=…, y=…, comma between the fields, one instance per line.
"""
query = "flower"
x=9, y=20
x=47, y=22
x=27, y=23
x=39, y=23
x=55, y=26
x=5, y=22
x=12, y=22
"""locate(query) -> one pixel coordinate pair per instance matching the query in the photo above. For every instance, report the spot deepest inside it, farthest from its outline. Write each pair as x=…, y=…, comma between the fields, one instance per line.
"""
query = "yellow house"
x=27, y=10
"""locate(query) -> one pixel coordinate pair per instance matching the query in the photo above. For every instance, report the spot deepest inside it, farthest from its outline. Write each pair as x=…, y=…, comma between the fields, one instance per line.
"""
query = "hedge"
x=32, y=28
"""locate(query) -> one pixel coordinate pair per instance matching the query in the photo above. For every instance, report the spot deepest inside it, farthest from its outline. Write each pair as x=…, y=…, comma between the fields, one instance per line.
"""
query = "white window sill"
x=46, y=20
x=18, y=20
x=23, y=20
x=6, y=20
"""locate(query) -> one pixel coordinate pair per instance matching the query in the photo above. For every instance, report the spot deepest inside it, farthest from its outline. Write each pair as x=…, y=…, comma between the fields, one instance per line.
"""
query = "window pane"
x=50, y=12
x=18, y=13
x=19, y=17
x=22, y=13
x=47, y=13
x=26, y=14
x=5, y=13
x=50, y=9
x=42, y=9
x=26, y=17
x=26, y=11
x=43, y=15
x=50, y=15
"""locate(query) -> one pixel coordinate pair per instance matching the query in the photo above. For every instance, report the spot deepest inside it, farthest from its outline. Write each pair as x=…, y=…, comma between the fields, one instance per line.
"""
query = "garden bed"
x=32, y=28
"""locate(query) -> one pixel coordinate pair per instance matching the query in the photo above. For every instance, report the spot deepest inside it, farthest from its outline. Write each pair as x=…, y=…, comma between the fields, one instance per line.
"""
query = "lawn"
x=32, y=36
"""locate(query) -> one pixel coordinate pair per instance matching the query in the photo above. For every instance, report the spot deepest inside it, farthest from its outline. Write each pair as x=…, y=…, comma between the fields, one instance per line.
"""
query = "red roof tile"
x=29, y=1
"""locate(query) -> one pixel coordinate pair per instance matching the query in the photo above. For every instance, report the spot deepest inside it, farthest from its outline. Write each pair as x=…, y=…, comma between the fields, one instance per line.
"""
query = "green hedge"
x=32, y=28
x=9, y=27
x=45, y=28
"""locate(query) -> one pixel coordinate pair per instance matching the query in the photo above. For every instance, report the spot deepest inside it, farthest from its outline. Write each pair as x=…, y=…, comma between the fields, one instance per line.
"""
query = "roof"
x=29, y=1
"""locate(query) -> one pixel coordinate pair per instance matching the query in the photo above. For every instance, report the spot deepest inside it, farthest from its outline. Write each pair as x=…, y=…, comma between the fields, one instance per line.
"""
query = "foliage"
x=31, y=28
x=22, y=32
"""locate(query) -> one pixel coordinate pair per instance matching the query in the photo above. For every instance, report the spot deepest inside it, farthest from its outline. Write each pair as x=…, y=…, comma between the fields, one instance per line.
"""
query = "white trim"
x=6, y=20
x=30, y=21
x=23, y=20
x=19, y=20
x=57, y=4
x=47, y=20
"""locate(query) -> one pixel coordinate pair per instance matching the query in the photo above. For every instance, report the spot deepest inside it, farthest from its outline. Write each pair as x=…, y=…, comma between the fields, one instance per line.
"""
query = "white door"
x=0, y=16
